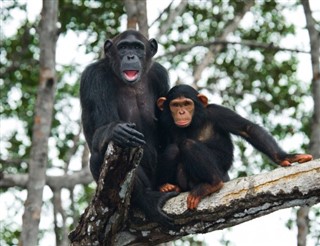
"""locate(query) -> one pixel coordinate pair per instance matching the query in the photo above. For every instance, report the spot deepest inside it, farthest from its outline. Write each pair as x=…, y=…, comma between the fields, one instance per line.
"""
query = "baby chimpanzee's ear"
x=203, y=99
x=160, y=102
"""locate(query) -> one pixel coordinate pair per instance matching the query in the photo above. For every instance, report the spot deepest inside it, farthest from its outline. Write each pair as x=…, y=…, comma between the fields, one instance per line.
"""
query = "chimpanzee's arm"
x=257, y=136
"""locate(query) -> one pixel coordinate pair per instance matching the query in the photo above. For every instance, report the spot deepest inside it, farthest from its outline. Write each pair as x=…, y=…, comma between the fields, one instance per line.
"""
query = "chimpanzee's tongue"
x=131, y=74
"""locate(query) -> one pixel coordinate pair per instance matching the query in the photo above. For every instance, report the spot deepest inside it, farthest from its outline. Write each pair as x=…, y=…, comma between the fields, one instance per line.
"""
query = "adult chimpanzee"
x=199, y=151
x=118, y=97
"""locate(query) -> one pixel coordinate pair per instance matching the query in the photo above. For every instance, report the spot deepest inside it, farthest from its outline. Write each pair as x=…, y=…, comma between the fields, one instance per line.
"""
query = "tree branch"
x=166, y=10
x=13, y=162
x=239, y=200
x=230, y=27
x=172, y=14
x=249, y=43
x=104, y=221
x=55, y=182
x=108, y=211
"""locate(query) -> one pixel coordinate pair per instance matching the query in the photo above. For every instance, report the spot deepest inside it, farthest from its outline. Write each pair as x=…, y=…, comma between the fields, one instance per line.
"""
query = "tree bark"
x=42, y=124
x=131, y=9
x=137, y=15
x=106, y=220
x=143, y=18
x=303, y=225
x=108, y=211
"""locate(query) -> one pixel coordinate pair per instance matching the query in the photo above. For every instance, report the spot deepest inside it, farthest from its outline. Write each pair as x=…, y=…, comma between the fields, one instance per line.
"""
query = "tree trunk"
x=131, y=10
x=137, y=15
x=303, y=225
x=42, y=124
x=314, y=37
x=143, y=18
x=302, y=214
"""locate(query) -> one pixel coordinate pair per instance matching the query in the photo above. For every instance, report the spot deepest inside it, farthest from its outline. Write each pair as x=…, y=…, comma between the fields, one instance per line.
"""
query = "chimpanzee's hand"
x=125, y=135
x=291, y=158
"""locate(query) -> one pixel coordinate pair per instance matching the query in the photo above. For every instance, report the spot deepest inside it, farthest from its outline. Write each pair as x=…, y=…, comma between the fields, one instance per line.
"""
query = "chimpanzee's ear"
x=160, y=102
x=203, y=99
x=107, y=46
x=153, y=46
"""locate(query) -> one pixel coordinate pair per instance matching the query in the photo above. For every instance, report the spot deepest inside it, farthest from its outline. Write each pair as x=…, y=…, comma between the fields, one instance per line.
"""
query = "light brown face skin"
x=182, y=110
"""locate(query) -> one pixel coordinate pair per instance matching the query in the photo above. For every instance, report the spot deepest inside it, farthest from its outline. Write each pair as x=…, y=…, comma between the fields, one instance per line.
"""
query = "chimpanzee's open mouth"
x=131, y=75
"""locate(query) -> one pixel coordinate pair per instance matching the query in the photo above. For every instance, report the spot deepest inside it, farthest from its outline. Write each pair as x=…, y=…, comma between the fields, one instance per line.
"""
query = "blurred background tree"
x=242, y=54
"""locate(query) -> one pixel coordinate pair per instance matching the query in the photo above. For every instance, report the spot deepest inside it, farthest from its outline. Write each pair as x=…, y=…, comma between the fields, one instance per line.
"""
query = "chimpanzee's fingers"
x=192, y=201
x=126, y=136
x=135, y=142
x=301, y=158
x=285, y=163
x=169, y=187
x=136, y=138
x=130, y=129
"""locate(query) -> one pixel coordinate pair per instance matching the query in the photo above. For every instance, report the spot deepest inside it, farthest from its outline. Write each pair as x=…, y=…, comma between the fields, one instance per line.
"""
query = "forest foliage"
x=252, y=68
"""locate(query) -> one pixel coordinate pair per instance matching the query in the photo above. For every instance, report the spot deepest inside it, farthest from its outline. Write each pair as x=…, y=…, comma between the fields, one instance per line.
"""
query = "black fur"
x=190, y=157
x=118, y=109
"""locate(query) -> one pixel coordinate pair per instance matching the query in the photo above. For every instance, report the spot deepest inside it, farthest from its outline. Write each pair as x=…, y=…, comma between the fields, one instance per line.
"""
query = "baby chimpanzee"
x=198, y=151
